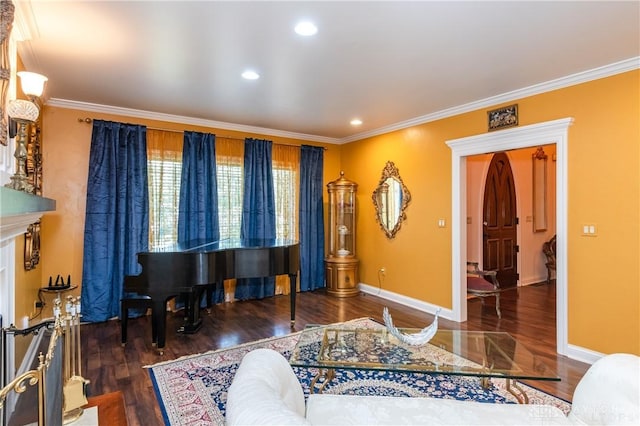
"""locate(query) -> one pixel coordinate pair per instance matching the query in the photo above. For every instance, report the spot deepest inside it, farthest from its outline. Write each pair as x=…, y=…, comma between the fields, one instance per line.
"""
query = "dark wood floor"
x=529, y=316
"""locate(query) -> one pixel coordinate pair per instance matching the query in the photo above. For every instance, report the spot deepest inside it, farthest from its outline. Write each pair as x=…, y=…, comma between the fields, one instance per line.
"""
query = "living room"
x=598, y=277
x=424, y=159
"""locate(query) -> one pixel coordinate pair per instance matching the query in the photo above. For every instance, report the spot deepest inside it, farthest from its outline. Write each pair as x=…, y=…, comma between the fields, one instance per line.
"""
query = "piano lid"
x=204, y=246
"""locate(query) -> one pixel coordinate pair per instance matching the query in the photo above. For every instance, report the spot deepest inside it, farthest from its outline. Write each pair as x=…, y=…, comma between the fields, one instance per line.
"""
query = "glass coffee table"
x=481, y=354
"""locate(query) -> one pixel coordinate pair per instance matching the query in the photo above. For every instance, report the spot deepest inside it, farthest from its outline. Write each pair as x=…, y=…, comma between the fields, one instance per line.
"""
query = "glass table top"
x=454, y=352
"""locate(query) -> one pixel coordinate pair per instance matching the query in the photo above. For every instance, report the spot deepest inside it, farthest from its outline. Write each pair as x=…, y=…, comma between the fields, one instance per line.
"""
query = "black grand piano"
x=189, y=268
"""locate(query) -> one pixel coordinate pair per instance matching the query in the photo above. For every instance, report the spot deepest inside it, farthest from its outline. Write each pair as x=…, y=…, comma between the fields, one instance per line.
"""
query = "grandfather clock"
x=341, y=265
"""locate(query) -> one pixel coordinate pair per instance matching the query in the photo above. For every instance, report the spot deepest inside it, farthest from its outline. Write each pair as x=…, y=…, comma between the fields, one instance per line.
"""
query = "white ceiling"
x=387, y=63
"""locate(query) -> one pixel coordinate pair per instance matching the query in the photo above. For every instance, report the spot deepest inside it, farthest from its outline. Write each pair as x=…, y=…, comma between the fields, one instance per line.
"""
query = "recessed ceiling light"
x=250, y=75
x=356, y=122
x=306, y=28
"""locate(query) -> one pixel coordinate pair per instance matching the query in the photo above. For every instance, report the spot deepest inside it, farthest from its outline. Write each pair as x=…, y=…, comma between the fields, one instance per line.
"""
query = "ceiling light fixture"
x=356, y=122
x=306, y=28
x=250, y=75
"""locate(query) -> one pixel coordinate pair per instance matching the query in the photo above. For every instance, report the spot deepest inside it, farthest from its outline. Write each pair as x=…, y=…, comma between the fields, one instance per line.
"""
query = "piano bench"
x=135, y=301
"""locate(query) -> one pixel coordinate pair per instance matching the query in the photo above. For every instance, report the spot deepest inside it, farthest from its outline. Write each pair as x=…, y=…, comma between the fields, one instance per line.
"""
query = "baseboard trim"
x=407, y=301
x=583, y=354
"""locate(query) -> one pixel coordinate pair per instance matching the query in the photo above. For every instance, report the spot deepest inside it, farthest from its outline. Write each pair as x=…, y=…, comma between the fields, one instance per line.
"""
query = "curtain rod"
x=89, y=120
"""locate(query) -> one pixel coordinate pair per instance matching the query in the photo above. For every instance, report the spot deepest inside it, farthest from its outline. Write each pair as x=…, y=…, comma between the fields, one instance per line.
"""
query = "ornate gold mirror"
x=391, y=198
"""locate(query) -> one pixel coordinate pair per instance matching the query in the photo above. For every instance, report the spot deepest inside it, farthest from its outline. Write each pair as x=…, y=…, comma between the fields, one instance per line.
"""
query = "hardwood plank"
x=111, y=409
x=528, y=314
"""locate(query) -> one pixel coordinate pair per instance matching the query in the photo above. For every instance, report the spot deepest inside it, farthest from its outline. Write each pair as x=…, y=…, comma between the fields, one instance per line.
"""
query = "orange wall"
x=604, y=159
x=604, y=179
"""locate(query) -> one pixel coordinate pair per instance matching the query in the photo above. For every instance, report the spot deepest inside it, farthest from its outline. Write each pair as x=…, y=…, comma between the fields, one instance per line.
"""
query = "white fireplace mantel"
x=18, y=210
x=12, y=226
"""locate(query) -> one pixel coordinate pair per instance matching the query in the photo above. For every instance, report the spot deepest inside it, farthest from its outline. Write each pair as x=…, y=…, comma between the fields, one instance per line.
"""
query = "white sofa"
x=265, y=391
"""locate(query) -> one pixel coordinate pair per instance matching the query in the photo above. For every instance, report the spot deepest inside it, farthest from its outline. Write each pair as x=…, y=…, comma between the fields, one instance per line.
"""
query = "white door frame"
x=549, y=132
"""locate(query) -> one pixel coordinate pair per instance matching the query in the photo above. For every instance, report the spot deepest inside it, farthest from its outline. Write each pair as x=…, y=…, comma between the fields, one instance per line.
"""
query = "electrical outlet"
x=589, y=230
x=38, y=305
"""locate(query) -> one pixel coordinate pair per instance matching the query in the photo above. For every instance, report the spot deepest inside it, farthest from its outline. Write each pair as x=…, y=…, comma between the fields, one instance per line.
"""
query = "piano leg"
x=293, y=279
x=193, y=322
x=211, y=290
x=159, y=320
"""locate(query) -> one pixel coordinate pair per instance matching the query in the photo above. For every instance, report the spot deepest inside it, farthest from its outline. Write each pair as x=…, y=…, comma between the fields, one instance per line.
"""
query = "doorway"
x=527, y=136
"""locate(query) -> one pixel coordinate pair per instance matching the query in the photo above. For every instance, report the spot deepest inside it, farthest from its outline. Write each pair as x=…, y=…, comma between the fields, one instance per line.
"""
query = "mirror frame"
x=539, y=190
x=391, y=171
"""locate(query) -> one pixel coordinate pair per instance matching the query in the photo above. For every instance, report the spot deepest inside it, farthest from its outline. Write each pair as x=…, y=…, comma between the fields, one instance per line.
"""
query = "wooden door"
x=500, y=248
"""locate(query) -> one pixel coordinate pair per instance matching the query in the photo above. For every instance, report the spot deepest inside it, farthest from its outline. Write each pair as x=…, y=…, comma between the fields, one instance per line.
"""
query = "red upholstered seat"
x=479, y=284
x=483, y=283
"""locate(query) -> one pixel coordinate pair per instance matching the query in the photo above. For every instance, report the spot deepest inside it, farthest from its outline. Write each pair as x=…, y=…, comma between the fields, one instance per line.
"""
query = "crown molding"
x=128, y=112
x=571, y=80
x=24, y=22
x=25, y=28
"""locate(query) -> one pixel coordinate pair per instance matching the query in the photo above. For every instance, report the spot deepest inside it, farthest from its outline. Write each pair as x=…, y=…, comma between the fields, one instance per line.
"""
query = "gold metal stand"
x=74, y=388
x=326, y=375
x=517, y=391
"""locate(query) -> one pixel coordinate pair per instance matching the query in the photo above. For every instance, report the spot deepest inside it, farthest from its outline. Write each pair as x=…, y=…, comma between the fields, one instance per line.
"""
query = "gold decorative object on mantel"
x=28, y=175
x=25, y=113
x=341, y=265
x=391, y=198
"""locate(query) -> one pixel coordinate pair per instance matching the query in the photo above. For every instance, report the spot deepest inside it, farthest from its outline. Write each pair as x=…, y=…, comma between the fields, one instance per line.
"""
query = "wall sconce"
x=24, y=113
x=32, y=84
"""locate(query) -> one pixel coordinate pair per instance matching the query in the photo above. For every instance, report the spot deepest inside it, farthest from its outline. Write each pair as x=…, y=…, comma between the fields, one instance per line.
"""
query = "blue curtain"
x=311, y=218
x=117, y=215
x=258, y=211
x=198, y=210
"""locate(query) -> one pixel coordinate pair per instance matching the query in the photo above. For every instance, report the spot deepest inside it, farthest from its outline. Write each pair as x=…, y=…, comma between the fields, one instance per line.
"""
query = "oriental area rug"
x=192, y=390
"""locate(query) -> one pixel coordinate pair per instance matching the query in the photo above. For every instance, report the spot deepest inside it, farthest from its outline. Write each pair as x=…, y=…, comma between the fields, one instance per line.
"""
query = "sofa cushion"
x=265, y=391
x=609, y=392
x=324, y=409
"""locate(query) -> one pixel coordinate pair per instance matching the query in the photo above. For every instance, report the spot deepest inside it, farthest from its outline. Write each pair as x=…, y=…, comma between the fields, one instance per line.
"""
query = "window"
x=229, y=173
x=285, y=197
x=164, y=169
x=229, y=200
x=164, y=188
x=286, y=166
x=164, y=150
